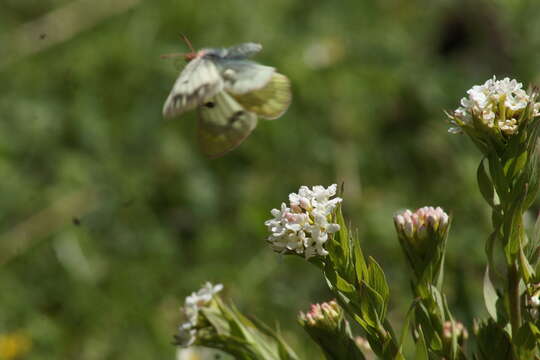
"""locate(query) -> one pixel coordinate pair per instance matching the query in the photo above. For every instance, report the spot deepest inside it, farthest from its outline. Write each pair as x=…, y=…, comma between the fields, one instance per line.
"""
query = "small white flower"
x=498, y=104
x=187, y=330
x=535, y=301
x=304, y=226
x=199, y=299
x=197, y=353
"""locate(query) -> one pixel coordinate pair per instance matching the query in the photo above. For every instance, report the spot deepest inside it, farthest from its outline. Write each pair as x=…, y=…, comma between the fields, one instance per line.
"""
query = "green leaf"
x=405, y=328
x=421, y=352
x=343, y=231
x=430, y=321
x=490, y=295
x=514, y=227
x=497, y=176
x=439, y=301
x=217, y=320
x=526, y=340
x=359, y=261
x=493, y=342
x=336, y=282
x=533, y=184
x=485, y=184
x=343, y=285
x=372, y=306
x=236, y=347
x=339, y=246
x=377, y=279
x=527, y=271
x=516, y=164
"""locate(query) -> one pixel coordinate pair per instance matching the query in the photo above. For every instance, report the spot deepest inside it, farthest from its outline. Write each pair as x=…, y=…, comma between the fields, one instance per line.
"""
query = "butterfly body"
x=229, y=91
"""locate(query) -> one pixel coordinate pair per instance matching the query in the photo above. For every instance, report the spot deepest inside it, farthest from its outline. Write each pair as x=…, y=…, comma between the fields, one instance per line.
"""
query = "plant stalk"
x=514, y=298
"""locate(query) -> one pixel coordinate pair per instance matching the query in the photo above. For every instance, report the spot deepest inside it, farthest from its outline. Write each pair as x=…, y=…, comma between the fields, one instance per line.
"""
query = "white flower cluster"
x=415, y=226
x=303, y=226
x=498, y=104
x=187, y=331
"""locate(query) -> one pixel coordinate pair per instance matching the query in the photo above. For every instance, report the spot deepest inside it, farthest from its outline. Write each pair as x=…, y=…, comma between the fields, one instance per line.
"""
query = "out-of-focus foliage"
x=109, y=215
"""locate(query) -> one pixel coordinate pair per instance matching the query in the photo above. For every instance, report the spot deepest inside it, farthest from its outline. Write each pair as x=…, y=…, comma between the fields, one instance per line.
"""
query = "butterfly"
x=229, y=92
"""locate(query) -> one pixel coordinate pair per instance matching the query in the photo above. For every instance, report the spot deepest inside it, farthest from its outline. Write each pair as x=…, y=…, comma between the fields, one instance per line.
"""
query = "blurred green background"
x=110, y=216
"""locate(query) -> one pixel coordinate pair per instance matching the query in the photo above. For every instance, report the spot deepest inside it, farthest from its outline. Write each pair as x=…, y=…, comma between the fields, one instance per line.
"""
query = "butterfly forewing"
x=199, y=81
x=271, y=101
x=243, y=50
x=223, y=124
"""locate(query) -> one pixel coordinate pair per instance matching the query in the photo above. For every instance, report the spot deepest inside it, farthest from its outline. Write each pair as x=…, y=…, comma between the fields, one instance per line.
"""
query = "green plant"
x=501, y=119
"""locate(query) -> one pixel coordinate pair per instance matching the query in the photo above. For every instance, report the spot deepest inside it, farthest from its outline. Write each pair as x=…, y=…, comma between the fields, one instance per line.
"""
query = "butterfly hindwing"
x=223, y=124
x=271, y=101
x=243, y=76
x=199, y=81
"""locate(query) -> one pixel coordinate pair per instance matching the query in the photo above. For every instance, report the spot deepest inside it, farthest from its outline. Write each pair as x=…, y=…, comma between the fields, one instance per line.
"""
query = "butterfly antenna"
x=186, y=40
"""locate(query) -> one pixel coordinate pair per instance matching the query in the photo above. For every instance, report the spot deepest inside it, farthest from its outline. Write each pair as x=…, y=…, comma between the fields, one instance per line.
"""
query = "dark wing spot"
x=210, y=104
x=236, y=116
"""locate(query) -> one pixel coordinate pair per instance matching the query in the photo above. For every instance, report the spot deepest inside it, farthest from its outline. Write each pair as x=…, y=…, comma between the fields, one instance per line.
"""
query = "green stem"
x=514, y=298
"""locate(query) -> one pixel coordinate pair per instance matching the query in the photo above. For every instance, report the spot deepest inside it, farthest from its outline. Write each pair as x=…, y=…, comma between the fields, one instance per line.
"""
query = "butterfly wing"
x=271, y=101
x=243, y=76
x=199, y=81
x=223, y=124
x=243, y=50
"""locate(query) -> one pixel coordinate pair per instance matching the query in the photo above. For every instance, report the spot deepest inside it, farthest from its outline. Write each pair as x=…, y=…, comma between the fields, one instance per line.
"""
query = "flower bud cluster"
x=326, y=315
x=497, y=105
x=187, y=331
x=417, y=226
x=459, y=329
x=304, y=226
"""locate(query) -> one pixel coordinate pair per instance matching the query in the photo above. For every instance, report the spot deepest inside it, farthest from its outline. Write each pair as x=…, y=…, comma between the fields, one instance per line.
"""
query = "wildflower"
x=497, y=105
x=327, y=314
x=416, y=227
x=212, y=323
x=459, y=329
x=422, y=235
x=197, y=353
x=187, y=331
x=326, y=325
x=533, y=299
x=303, y=227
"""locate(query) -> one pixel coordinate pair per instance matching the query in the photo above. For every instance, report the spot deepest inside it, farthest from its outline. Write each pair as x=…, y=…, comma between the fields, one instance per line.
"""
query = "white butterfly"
x=229, y=91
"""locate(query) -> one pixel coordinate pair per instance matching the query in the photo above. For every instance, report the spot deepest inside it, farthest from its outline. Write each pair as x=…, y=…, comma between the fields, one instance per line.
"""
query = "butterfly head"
x=187, y=56
x=194, y=54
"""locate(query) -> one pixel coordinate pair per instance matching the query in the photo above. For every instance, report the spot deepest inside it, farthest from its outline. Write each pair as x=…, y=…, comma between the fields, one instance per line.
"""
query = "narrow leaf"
x=490, y=295
x=484, y=183
x=421, y=347
x=527, y=270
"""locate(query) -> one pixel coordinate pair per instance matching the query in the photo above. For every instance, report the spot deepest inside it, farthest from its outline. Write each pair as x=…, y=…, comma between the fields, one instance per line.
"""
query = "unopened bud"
x=459, y=330
x=327, y=314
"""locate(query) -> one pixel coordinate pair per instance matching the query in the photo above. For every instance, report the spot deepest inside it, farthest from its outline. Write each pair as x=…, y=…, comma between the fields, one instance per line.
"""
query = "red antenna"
x=188, y=56
x=186, y=40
